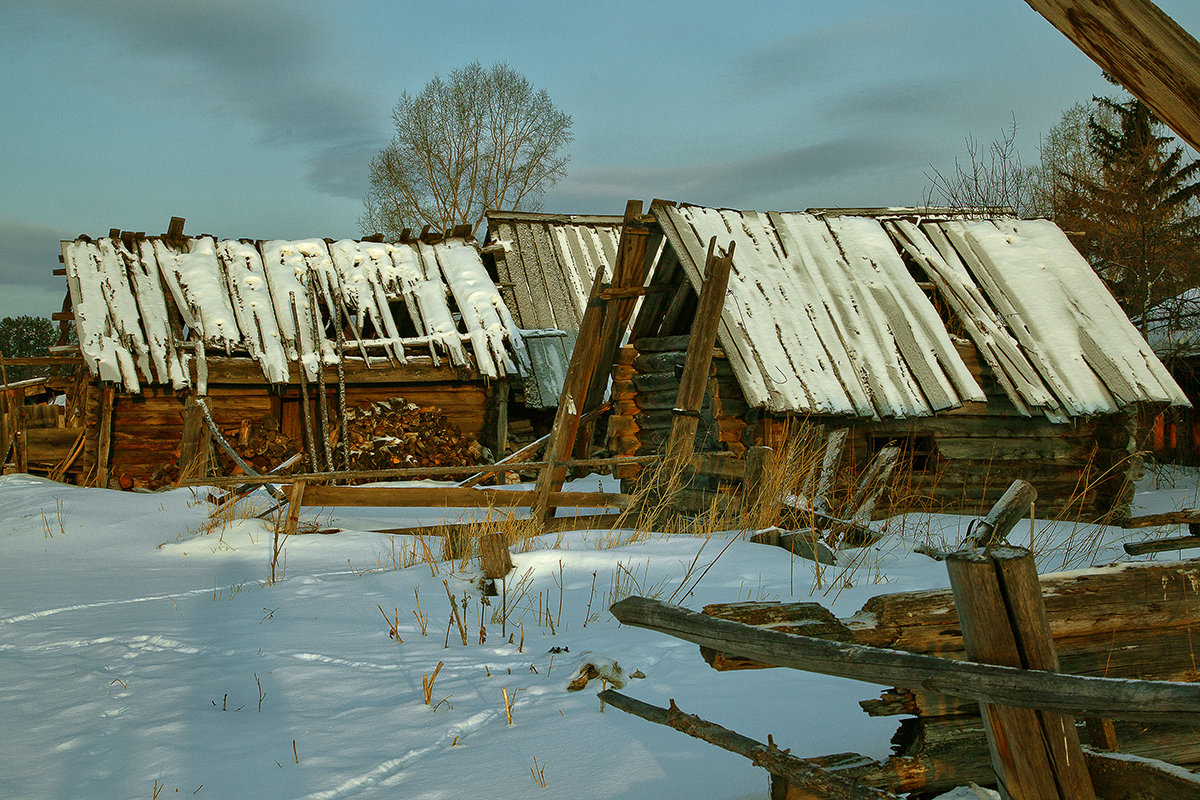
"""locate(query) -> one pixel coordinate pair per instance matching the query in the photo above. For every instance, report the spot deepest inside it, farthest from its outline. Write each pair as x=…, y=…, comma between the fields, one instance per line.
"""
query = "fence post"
x=1035, y=754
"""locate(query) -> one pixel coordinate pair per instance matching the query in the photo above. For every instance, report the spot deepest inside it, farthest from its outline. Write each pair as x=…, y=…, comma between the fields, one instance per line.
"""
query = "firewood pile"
x=396, y=433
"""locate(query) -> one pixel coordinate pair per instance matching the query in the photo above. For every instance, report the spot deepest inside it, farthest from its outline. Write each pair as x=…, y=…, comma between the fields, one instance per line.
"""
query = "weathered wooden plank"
x=580, y=522
x=1148, y=52
x=1118, y=776
x=1162, y=545
x=104, y=445
x=1012, y=506
x=1119, y=699
x=692, y=382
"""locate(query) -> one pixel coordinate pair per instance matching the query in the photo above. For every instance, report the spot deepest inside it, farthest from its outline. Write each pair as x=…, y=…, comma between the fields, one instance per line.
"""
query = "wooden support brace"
x=699, y=358
x=104, y=442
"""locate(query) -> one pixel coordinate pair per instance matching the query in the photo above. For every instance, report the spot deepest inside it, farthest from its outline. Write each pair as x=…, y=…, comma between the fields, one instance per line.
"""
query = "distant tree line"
x=23, y=337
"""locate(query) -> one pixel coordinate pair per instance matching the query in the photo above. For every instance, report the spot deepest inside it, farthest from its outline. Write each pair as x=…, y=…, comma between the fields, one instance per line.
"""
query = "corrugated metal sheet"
x=824, y=316
x=546, y=264
x=261, y=299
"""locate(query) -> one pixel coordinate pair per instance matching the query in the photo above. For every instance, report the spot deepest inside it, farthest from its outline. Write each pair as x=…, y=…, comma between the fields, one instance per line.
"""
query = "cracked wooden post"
x=1036, y=754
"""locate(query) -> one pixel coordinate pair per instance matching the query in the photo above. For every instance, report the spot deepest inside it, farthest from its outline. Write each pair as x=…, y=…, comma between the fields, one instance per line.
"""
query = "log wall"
x=147, y=429
x=957, y=461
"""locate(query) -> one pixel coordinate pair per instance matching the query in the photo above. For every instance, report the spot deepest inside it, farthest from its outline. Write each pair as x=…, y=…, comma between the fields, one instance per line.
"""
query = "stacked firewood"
x=395, y=433
x=264, y=446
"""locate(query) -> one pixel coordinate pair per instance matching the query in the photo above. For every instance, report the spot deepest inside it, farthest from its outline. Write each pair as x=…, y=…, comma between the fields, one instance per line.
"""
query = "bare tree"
x=480, y=139
x=993, y=178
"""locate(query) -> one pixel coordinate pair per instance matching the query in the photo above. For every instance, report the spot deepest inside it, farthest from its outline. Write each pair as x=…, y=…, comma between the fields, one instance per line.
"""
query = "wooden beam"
x=1144, y=49
x=1182, y=517
x=1162, y=545
x=581, y=522
x=586, y=364
x=1119, y=776
x=799, y=774
x=412, y=472
x=1075, y=694
x=104, y=437
x=1012, y=506
x=44, y=361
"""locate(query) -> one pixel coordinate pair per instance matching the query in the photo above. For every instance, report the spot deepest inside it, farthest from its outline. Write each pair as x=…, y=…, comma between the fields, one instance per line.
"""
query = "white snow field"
x=141, y=655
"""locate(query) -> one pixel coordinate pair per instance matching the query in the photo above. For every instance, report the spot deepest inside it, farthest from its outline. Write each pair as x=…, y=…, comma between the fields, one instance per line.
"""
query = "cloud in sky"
x=271, y=63
x=823, y=174
x=28, y=258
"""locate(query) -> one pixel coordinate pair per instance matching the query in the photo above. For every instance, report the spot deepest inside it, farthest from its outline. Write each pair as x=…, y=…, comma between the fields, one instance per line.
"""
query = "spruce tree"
x=1134, y=214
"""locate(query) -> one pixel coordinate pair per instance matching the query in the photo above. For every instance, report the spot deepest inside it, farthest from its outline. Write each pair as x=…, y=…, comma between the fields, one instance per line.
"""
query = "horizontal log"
x=1082, y=696
x=580, y=522
x=418, y=370
x=800, y=774
x=1119, y=776
x=1182, y=517
x=43, y=361
x=663, y=344
x=1162, y=545
x=452, y=497
x=656, y=382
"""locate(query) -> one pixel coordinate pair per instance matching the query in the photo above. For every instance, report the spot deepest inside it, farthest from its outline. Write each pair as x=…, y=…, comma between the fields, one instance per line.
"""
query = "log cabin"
x=285, y=334
x=984, y=345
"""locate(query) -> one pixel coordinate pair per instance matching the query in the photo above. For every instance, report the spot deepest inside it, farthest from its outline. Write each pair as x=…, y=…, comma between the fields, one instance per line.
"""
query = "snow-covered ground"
x=142, y=653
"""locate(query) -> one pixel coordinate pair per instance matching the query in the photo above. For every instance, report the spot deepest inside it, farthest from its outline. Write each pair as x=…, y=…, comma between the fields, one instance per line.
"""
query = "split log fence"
x=1004, y=629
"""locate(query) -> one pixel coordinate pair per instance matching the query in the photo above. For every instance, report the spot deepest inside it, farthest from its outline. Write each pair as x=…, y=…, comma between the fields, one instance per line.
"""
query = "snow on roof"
x=281, y=301
x=825, y=315
x=547, y=263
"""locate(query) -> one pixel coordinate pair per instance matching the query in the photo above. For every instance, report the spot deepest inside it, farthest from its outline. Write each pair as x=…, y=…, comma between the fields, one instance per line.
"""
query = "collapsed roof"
x=143, y=304
x=831, y=313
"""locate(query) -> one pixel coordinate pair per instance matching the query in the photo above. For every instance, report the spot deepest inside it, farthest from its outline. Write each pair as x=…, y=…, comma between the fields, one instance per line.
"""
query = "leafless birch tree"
x=479, y=139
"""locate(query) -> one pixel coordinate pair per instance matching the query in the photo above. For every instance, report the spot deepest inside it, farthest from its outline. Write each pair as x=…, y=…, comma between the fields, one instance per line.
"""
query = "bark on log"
x=798, y=772
x=1118, y=699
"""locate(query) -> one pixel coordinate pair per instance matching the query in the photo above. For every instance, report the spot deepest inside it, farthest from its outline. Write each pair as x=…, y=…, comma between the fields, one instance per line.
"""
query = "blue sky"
x=258, y=119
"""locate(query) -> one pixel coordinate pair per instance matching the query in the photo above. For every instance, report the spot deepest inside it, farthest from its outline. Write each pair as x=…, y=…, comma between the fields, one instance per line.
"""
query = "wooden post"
x=1012, y=506
x=1143, y=48
x=1035, y=754
x=699, y=358
x=104, y=443
x=639, y=243
x=195, y=446
x=295, y=501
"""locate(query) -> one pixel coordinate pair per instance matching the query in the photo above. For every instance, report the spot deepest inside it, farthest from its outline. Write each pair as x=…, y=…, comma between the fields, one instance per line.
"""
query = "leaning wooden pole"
x=588, y=362
x=799, y=774
x=698, y=362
